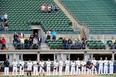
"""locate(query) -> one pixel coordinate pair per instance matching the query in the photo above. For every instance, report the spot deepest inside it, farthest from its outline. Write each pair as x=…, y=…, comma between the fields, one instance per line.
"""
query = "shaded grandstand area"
x=99, y=16
x=22, y=14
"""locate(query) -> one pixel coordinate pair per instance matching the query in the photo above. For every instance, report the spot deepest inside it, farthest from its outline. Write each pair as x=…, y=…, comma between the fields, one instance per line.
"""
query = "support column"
x=113, y=55
x=62, y=56
x=6, y=55
x=21, y=56
x=14, y=56
x=85, y=56
x=69, y=56
x=54, y=56
x=38, y=56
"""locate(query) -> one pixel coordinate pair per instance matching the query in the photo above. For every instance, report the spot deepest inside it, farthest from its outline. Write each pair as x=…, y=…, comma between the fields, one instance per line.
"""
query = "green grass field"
x=66, y=76
x=108, y=75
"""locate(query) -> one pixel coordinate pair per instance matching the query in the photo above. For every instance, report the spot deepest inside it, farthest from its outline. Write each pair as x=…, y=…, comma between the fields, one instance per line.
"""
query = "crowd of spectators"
x=4, y=22
x=49, y=8
x=20, y=42
x=72, y=43
x=3, y=43
x=67, y=43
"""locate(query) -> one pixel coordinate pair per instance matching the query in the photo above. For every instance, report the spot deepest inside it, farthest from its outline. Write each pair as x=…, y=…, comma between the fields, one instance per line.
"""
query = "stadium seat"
x=98, y=15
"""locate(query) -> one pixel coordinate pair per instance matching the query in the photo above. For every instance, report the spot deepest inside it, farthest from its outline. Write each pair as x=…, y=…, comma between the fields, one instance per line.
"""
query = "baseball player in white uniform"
x=78, y=66
x=83, y=66
x=105, y=66
x=55, y=67
x=94, y=62
x=72, y=68
x=35, y=67
x=14, y=64
x=48, y=63
x=29, y=67
x=42, y=68
x=21, y=63
x=111, y=64
x=60, y=66
x=67, y=66
x=100, y=62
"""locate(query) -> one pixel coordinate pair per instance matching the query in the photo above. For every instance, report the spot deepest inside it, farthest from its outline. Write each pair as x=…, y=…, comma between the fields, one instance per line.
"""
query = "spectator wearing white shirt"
x=5, y=17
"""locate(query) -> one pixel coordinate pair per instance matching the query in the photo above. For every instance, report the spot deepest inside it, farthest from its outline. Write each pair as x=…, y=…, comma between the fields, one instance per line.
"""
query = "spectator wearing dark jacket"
x=15, y=36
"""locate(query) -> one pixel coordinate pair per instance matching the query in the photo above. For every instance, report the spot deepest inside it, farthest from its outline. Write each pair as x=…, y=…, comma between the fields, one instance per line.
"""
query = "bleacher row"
x=21, y=13
x=90, y=44
x=98, y=15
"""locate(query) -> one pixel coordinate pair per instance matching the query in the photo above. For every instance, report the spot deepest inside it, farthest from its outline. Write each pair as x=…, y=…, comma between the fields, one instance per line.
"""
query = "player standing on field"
x=29, y=67
x=55, y=67
x=21, y=64
x=89, y=66
x=35, y=67
x=100, y=62
x=72, y=68
x=60, y=66
x=67, y=66
x=42, y=68
x=105, y=66
x=48, y=63
x=111, y=64
x=6, y=67
x=94, y=66
x=83, y=66
x=78, y=66
x=14, y=64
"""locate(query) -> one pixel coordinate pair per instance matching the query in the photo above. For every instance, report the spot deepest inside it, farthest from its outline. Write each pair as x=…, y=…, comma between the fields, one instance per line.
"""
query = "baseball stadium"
x=58, y=38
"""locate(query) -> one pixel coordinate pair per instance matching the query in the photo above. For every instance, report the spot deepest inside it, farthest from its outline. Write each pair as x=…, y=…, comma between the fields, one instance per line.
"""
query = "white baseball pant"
x=48, y=70
x=21, y=70
x=67, y=70
x=72, y=70
x=6, y=71
x=35, y=70
x=14, y=71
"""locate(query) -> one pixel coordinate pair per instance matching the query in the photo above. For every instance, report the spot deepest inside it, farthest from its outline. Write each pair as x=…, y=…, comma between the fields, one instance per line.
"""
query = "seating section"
x=111, y=44
x=95, y=44
x=98, y=15
x=21, y=13
x=26, y=46
x=55, y=44
x=58, y=44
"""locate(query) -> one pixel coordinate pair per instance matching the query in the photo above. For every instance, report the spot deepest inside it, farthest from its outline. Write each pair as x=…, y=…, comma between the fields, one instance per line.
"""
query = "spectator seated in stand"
x=48, y=35
x=43, y=7
x=6, y=25
x=21, y=43
x=3, y=42
x=54, y=35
